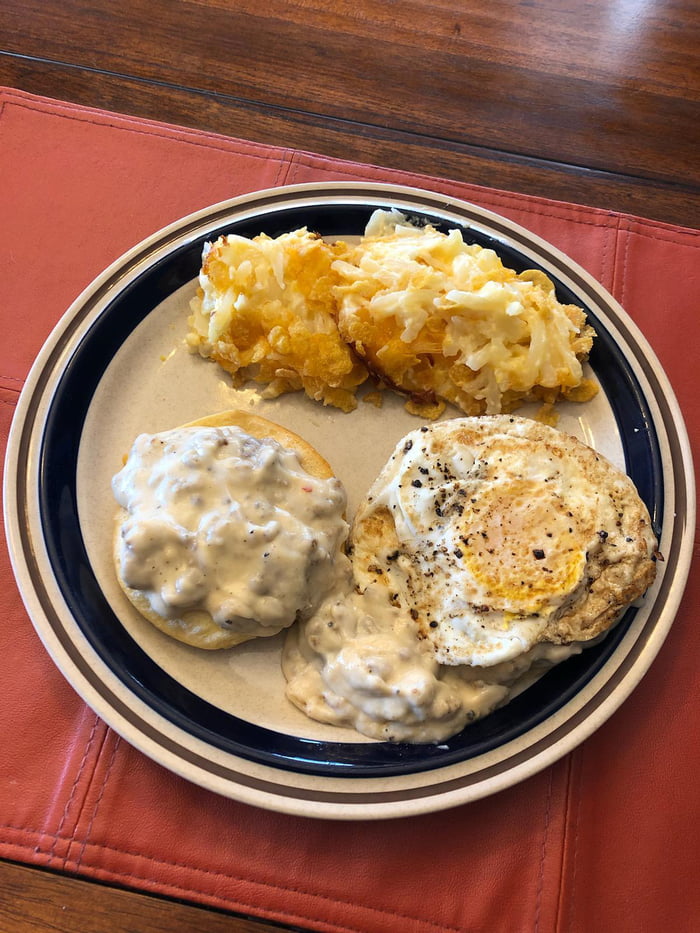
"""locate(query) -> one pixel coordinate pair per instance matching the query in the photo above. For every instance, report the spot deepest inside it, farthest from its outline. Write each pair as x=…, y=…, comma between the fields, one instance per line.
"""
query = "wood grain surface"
x=593, y=102
x=37, y=901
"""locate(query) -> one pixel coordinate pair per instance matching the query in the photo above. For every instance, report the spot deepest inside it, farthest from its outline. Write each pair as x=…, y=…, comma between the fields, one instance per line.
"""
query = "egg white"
x=491, y=532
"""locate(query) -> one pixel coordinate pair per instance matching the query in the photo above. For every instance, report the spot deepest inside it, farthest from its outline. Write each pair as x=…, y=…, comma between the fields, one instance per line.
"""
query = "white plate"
x=116, y=365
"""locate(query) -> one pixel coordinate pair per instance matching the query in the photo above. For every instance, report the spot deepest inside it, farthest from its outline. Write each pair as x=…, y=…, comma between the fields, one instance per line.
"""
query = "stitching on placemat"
x=69, y=862
x=521, y=201
x=569, y=794
x=22, y=829
x=177, y=133
x=218, y=874
x=607, y=264
x=284, y=167
x=88, y=831
x=690, y=237
x=577, y=823
x=561, y=210
x=557, y=209
x=614, y=258
x=290, y=166
x=625, y=259
x=255, y=909
x=64, y=816
x=543, y=851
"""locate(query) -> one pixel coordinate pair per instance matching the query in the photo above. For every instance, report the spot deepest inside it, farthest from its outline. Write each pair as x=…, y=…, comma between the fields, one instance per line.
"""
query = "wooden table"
x=592, y=102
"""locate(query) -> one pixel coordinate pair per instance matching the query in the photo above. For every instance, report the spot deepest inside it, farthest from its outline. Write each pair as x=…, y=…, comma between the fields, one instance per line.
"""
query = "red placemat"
x=606, y=839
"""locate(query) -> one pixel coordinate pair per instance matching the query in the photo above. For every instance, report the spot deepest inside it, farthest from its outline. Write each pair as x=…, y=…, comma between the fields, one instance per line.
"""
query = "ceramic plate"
x=117, y=365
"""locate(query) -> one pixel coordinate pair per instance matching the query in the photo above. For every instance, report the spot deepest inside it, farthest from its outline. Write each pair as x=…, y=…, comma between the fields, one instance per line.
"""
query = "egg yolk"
x=523, y=547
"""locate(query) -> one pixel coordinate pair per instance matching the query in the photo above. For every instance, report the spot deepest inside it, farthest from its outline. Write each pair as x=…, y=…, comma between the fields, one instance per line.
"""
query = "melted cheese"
x=435, y=315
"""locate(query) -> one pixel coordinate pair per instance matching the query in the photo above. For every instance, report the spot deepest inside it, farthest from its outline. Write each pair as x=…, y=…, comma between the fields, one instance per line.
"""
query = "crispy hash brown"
x=265, y=310
x=426, y=314
x=444, y=321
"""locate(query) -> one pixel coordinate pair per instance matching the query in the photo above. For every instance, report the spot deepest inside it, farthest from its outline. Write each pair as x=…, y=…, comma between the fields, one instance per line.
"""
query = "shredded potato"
x=445, y=321
x=423, y=312
x=264, y=311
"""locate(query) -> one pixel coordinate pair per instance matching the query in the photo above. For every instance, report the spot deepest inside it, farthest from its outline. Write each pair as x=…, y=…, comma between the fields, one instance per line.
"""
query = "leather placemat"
x=606, y=839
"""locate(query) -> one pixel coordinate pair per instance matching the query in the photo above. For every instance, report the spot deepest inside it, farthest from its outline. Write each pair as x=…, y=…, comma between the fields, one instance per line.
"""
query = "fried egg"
x=499, y=533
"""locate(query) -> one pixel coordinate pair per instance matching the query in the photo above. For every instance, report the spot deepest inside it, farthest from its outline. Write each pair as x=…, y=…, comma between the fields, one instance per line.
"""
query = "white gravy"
x=359, y=662
x=223, y=522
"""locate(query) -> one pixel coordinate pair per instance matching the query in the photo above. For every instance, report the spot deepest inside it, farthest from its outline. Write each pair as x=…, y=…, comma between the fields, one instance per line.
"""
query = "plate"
x=116, y=365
